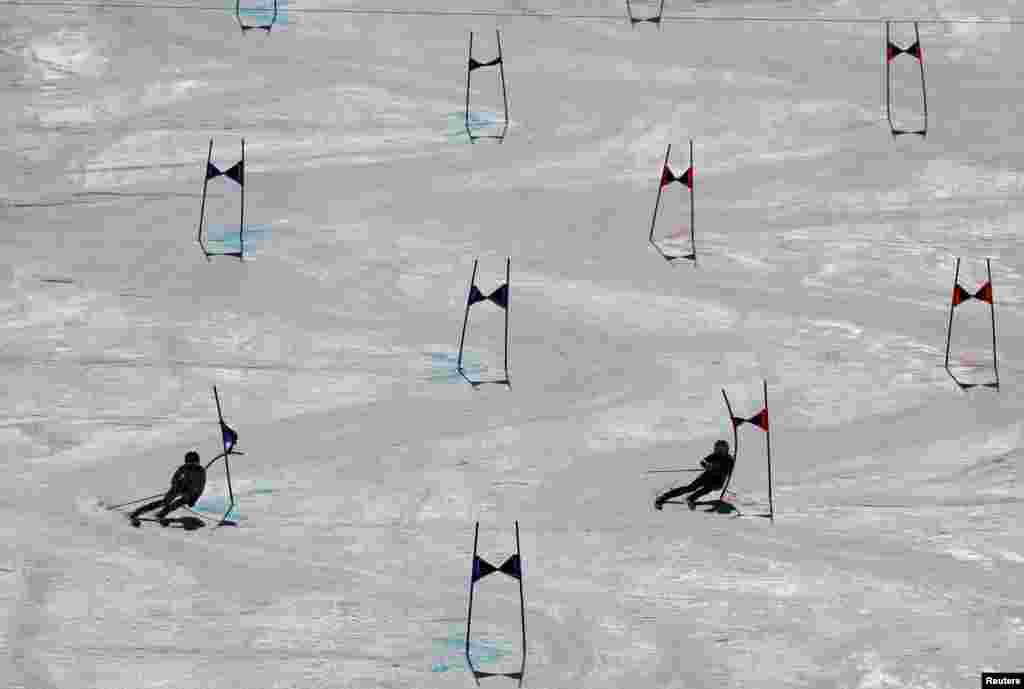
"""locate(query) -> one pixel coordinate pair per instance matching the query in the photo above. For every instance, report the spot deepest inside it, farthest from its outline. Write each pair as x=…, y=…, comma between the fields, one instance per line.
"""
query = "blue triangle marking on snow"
x=481, y=123
x=451, y=651
x=215, y=505
x=443, y=367
x=262, y=11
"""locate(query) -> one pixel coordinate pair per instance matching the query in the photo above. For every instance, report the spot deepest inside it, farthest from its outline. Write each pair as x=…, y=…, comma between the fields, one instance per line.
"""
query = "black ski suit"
x=187, y=485
x=717, y=469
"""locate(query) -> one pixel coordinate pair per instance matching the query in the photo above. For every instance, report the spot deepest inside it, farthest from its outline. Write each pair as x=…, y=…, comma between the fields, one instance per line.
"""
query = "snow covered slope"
x=826, y=261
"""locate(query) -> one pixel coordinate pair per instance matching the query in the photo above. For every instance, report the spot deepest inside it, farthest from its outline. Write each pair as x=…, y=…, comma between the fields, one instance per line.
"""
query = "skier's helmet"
x=721, y=445
x=191, y=457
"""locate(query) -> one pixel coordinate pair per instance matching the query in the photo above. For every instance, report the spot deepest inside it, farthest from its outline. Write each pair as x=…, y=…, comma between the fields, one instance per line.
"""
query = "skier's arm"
x=214, y=460
x=222, y=455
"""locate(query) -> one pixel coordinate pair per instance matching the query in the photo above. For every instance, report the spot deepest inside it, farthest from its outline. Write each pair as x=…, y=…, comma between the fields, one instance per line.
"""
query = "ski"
x=719, y=507
x=187, y=523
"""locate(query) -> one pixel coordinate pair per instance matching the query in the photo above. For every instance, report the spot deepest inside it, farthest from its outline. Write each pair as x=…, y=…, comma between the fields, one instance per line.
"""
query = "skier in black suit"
x=187, y=485
x=717, y=469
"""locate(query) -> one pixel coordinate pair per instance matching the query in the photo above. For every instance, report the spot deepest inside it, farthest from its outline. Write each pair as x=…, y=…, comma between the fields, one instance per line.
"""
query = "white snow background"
x=826, y=261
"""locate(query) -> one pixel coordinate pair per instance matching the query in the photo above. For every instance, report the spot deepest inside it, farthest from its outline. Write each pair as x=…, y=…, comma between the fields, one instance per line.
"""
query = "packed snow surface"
x=826, y=256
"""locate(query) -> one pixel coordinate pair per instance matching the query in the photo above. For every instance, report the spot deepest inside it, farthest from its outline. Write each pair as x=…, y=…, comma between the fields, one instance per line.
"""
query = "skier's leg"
x=682, y=490
x=701, y=487
x=148, y=507
x=178, y=501
x=700, y=492
x=709, y=483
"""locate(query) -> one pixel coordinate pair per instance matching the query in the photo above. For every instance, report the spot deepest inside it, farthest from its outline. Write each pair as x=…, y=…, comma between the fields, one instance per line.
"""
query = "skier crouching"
x=187, y=485
x=717, y=468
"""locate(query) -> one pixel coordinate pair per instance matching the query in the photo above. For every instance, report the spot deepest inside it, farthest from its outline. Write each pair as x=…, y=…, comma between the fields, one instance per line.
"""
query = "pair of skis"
x=187, y=523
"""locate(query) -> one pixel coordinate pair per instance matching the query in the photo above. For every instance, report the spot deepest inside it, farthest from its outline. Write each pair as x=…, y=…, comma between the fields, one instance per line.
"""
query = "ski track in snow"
x=826, y=255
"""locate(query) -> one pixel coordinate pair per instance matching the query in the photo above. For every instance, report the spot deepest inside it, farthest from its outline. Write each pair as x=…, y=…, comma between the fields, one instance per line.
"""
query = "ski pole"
x=200, y=515
x=124, y=504
x=669, y=471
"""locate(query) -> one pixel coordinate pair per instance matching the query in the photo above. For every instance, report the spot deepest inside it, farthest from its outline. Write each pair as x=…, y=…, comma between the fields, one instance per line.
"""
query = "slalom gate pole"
x=992, y=309
x=469, y=76
x=657, y=200
x=227, y=464
x=472, y=583
x=924, y=91
x=202, y=204
x=768, y=441
x=508, y=268
x=241, y=220
x=501, y=69
x=919, y=56
x=273, y=19
x=888, y=80
x=522, y=605
x=231, y=494
x=465, y=320
x=481, y=568
x=693, y=241
x=952, y=307
x=735, y=445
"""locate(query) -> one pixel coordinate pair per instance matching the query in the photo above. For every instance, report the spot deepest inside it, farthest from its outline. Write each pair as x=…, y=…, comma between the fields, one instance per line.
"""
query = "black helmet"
x=721, y=443
x=191, y=457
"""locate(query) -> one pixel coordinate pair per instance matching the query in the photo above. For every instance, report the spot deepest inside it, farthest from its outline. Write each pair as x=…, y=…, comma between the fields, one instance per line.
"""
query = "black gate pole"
x=952, y=306
x=657, y=199
x=465, y=320
x=735, y=444
x=202, y=204
x=768, y=440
